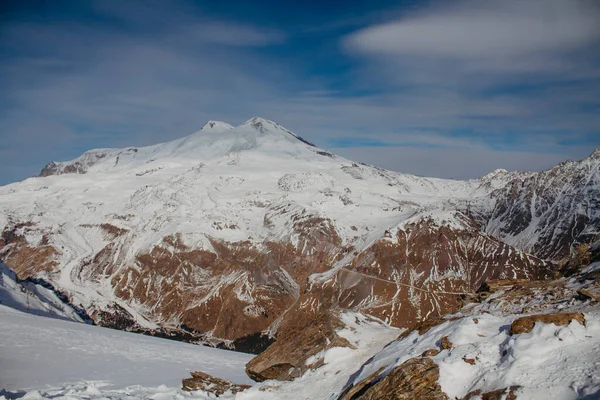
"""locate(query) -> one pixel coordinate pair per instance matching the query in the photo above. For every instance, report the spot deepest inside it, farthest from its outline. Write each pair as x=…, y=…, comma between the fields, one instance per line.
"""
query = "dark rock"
x=208, y=383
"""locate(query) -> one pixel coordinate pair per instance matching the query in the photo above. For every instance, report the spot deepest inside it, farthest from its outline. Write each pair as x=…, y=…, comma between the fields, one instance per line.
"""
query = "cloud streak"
x=511, y=35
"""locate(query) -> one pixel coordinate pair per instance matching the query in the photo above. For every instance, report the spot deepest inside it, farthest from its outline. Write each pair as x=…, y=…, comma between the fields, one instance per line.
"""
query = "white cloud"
x=509, y=34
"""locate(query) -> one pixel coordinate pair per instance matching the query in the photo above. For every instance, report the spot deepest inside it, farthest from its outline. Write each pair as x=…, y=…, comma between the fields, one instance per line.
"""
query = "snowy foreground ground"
x=52, y=358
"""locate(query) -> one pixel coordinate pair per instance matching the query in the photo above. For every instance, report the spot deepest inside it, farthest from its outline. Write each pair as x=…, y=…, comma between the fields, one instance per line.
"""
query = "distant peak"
x=596, y=154
x=259, y=123
x=495, y=173
x=262, y=125
x=217, y=125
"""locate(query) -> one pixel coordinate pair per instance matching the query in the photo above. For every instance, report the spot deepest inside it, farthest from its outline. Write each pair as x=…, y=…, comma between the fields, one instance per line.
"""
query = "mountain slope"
x=236, y=231
x=547, y=213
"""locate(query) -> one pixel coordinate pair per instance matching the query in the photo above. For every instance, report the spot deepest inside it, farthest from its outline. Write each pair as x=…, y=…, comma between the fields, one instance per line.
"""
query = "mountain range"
x=238, y=236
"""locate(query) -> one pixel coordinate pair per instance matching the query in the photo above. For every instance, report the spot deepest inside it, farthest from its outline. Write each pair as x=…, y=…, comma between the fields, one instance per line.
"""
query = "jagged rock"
x=413, y=379
x=500, y=394
x=445, y=343
x=208, y=383
x=526, y=324
x=430, y=353
x=286, y=358
x=548, y=203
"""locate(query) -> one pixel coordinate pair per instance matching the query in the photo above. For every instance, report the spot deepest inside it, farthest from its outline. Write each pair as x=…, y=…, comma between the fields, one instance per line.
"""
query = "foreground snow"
x=549, y=362
x=52, y=358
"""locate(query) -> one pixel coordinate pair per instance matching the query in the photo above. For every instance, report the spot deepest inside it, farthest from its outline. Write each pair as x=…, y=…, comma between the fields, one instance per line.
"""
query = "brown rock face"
x=203, y=381
x=526, y=324
x=240, y=289
x=414, y=379
x=286, y=358
x=426, y=269
x=500, y=394
x=26, y=259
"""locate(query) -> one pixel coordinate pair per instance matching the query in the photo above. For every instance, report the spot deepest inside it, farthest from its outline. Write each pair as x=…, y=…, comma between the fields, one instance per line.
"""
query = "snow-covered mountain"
x=545, y=213
x=237, y=231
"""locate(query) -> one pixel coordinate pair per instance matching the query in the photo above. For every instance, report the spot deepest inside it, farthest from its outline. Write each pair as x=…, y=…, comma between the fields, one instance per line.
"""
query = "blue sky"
x=449, y=89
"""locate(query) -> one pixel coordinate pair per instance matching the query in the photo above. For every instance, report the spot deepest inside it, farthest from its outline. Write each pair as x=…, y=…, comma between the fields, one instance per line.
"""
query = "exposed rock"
x=352, y=392
x=560, y=205
x=286, y=358
x=424, y=326
x=469, y=360
x=413, y=379
x=526, y=324
x=430, y=353
x=445, y=343
x=208, y=383
x=588, y=295
x=500, y=394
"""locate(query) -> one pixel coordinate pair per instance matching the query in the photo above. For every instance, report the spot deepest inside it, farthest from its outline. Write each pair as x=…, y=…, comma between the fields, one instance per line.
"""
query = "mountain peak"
x=216, y=126
x=596, y=154
x=263, y=125
x=260, y=124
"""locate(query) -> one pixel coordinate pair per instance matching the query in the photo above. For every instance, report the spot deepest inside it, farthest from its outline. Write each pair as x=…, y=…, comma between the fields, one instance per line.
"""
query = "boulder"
x=208, y=383
x=413, y=379
x=286, y=358
x=526, y=324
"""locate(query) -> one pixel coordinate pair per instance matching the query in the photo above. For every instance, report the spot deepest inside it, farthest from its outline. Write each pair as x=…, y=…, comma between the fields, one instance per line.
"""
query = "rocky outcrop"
x=287, y=357
x=415, y=378
x=208, y=383
x=526, y=324
x=500, y=394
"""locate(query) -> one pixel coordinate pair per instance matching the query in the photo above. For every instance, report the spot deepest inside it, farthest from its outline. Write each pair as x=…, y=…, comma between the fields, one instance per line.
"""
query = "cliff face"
x=234, y=232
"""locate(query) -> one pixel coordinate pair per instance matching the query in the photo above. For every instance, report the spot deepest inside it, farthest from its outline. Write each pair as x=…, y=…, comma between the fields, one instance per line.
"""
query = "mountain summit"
x=215, y=140
x=217, y=126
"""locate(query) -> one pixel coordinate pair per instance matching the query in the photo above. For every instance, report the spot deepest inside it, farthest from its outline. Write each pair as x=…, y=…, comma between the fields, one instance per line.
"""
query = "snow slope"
x=549, y=362
x=57, y=357
x=32, y=298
